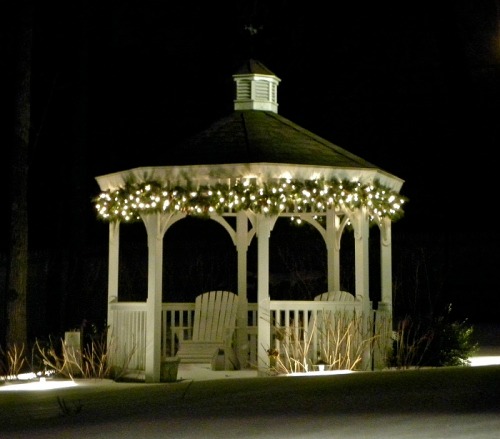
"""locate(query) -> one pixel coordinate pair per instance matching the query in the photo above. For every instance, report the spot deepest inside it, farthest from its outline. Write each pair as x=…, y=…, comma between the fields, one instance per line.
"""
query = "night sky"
x=411, y=87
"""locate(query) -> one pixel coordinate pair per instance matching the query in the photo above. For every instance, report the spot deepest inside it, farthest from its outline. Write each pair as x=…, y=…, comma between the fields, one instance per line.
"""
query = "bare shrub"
x=410, y=343
x=91, y=362
x=12, y=361
x=337, y=340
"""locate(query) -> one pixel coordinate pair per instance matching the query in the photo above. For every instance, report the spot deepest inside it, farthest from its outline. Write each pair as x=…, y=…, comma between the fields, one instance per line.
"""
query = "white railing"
x=340, y=331
x=128, y=331
x=298, y=319
x=127, y=336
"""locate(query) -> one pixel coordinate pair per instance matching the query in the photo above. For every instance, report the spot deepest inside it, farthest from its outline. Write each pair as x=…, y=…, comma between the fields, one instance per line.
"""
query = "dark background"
x=411, y=87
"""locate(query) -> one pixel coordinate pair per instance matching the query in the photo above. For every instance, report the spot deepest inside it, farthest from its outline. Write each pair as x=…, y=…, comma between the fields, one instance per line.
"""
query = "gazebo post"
x=386, y=263
x=332, y=251
x=113, y=261
x=155, y=228
x=384, y=317
x=242, y=317
x=113, y=270
x=361, y=243
x=362, y=273
x=264, y=321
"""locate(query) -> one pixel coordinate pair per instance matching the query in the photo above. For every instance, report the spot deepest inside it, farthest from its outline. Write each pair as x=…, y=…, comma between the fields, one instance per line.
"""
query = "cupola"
x=256, y=88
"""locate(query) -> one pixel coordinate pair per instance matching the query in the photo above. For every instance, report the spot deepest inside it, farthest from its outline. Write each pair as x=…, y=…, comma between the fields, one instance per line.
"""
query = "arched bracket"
x=357, y=218
x=222, y=221
x=342, y=223
x=166, y=220
x=272, y=220
x=338, y=224
x=310, y=219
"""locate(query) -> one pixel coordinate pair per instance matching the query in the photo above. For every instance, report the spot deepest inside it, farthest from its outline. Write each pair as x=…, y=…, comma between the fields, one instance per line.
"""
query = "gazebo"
x=244, y=172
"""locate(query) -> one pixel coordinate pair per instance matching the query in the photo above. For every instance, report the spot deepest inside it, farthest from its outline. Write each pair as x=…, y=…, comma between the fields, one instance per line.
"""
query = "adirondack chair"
x=213, y=327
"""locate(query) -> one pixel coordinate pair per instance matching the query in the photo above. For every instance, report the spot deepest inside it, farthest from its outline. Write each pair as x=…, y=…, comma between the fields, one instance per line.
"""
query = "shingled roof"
x=260, y=136
x=249, y=136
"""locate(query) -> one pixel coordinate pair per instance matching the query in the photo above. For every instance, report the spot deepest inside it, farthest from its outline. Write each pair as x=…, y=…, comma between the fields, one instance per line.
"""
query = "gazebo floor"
x=198, y=372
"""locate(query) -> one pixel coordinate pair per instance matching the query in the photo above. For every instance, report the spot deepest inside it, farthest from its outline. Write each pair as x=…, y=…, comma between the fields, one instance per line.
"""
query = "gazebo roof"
x=255, y=133
x=254, y=142
x=249, y=136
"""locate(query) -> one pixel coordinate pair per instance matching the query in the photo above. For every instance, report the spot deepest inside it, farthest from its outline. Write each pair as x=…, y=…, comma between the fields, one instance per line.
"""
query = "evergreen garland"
x=270, y=198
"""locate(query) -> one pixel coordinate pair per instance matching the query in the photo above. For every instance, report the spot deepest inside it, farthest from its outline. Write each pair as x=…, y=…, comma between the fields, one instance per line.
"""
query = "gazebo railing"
x=127, y=335
x=294, y=318
x=300, y=330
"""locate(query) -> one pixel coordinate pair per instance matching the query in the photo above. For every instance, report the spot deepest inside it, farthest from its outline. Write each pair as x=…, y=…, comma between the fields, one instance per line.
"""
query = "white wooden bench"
x=213, y=326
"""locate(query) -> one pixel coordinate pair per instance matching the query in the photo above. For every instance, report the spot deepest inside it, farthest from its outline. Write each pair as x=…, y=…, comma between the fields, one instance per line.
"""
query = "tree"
x=17, y=269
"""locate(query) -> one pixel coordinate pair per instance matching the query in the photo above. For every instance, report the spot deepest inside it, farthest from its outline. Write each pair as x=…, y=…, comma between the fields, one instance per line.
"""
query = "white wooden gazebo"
x=244, y=172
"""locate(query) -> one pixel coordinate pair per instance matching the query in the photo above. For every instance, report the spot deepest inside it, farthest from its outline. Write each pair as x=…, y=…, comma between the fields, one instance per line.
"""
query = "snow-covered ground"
x=444, y=403
x=460, y=402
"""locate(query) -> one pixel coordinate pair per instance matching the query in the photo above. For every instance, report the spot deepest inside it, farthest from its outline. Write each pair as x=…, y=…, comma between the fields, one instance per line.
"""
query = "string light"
x=270, y=198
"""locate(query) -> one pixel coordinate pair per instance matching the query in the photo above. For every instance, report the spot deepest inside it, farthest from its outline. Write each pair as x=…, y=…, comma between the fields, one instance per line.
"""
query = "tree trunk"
x=17, y=274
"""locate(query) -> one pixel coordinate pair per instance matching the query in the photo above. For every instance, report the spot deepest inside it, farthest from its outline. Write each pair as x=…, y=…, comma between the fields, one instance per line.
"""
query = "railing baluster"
x=299, y=317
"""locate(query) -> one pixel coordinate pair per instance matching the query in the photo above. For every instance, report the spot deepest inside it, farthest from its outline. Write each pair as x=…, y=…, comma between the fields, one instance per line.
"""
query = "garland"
x=296, y=196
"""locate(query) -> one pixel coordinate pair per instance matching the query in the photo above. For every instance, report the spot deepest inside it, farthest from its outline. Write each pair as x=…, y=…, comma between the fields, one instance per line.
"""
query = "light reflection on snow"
x=41, y=384
x=38, y=382
x=485, y=360
x=319, y=373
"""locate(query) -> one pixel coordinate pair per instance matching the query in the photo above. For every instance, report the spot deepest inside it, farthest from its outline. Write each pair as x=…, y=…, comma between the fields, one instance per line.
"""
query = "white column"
x=155, y=228
x=264, y=321
x=362, y=260
x=113, y=263
x=384, y=317
x=113, y=270
x=362, y=273
x=332, y=250
x=242, y=318
x=386, y=263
